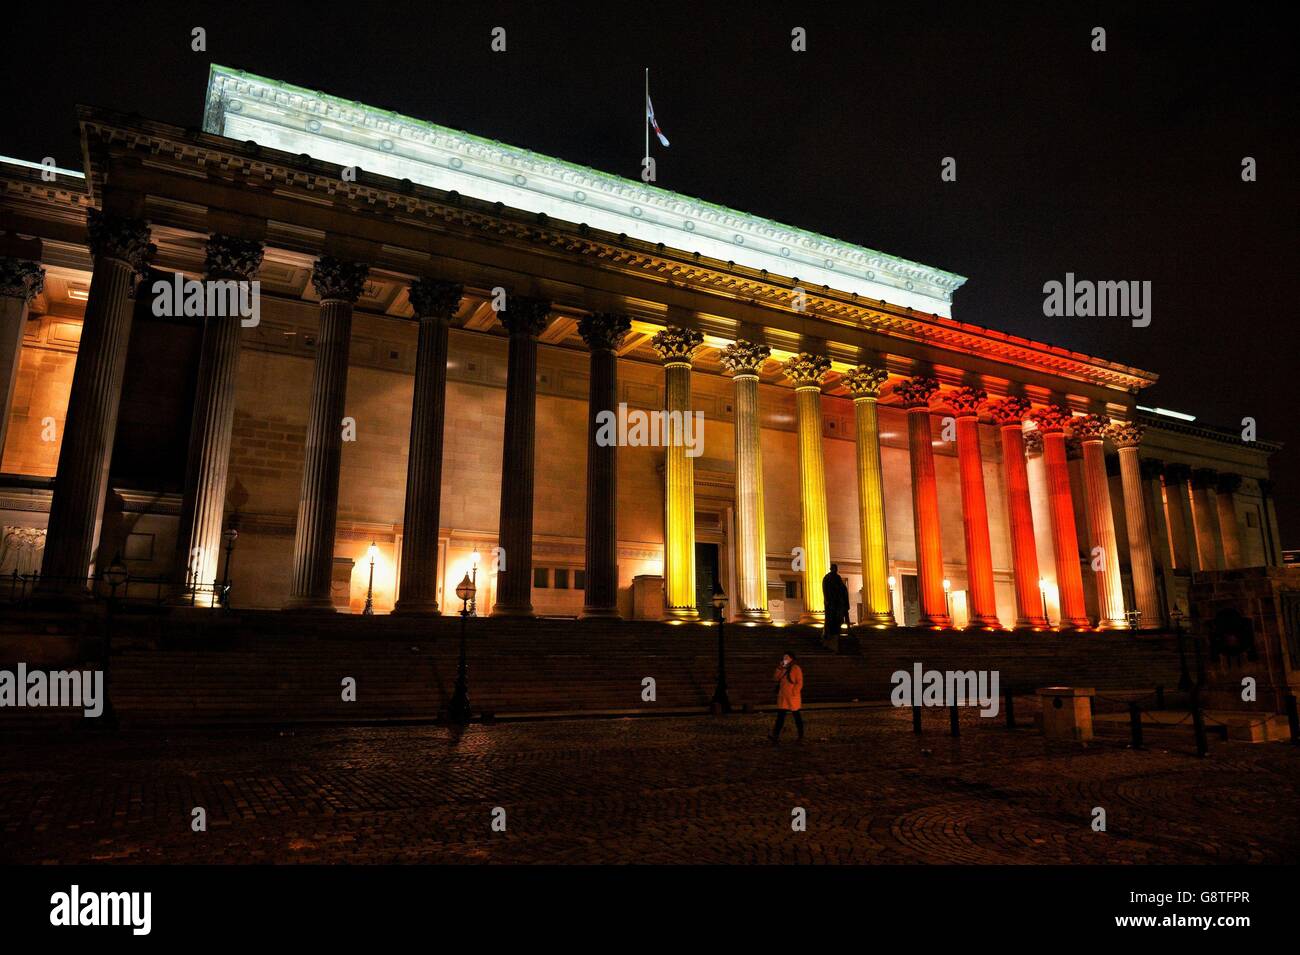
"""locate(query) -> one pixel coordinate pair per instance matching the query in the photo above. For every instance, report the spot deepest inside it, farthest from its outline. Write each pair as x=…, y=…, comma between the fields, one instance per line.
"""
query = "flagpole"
x=646, y=112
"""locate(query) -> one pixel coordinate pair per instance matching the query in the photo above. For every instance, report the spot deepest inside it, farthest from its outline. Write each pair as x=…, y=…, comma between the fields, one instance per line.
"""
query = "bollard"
x=1293, y=717
x=916, y=719
x=1160, y=696
x=952, y=719
x=1135, y=724
x=1011, y=709
x=1198, y=723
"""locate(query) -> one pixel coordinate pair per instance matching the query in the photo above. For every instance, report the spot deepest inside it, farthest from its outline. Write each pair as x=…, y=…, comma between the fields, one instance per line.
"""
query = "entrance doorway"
x=911, y=601
x=706, y=575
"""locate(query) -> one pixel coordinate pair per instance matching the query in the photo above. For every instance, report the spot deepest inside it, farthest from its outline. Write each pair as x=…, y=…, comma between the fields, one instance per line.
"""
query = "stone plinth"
x=1067, y=712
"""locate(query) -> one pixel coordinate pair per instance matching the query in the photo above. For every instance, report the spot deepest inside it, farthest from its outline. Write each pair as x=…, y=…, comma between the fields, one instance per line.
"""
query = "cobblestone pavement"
x=645, y=790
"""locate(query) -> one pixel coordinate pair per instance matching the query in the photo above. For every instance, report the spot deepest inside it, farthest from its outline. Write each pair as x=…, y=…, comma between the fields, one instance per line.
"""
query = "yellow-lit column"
x=1092, y=430
x=744, y=359
x=675, y=347
x=864, y=384
x=1127, y=436
x=808, y=371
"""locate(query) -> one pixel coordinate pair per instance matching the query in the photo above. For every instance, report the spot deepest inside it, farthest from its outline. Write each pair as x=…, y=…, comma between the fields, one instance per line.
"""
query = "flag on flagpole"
x=650, y=118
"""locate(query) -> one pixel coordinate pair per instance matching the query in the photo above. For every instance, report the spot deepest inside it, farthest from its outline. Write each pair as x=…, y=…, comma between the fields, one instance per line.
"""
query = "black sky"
x=1115, y=165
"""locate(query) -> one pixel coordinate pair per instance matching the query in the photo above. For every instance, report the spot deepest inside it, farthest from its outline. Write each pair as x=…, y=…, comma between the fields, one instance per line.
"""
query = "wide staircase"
x=195, y=668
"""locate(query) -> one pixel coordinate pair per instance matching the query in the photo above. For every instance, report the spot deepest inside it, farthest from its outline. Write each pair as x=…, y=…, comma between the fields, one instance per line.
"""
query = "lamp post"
x=460, y=696
x=720, y=698
x=1042, y=593
x=473, y=597
x=230, y=536
x=369, y=609
x=115, y=576
x=891, y=582
x=947, y=597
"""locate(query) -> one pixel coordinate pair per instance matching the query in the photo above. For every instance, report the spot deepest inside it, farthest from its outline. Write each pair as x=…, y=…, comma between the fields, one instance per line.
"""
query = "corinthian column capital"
x=525, y=316
x=916, y=392
x=336, y=280
x=807, y=370
x=117, y=237
x=744, y=358
x=434, y=298
x=604, y=331
x=676, y=345
x=20, y=278
x=1009, y=411
x=1126, y=434
x=1033, y=442
x=965, y=402
x=1091, y=427
x=227, y=257
x=1052, y=419
x=865, y=381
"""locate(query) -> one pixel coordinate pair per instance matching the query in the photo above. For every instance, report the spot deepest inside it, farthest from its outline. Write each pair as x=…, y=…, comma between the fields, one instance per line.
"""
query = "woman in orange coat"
x=789, y=695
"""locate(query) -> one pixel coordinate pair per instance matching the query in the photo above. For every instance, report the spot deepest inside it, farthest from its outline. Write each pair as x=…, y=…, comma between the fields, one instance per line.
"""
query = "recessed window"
x=541, y=577
x=561, y=578
x=792, y=590
x=579, y=579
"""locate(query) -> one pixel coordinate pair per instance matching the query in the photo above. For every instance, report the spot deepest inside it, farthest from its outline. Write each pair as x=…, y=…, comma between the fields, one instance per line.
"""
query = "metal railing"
x=20, y=589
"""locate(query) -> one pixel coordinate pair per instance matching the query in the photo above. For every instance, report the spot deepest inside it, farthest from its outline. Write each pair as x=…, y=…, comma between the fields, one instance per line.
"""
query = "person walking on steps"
x=789, y=695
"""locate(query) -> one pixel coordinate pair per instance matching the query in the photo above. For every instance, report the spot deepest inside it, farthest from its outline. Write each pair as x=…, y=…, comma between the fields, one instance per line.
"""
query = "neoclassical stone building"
x=440, y=320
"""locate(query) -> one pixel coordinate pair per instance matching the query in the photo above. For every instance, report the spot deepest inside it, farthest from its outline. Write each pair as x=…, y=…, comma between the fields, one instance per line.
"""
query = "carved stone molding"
x=230, y=258
x=916, y=392
x=676, y=345
x=1073, y=447
x=337, y=280
x=807, y=370
x=525, y=316
x=965, y=402
x=117, y=237
x=434, y=298
x=1033, y=442
x=20, y=278
x=744, y=358
x=1009, y=411
x=865, y=381
x=604, y=331
x=1052, y=419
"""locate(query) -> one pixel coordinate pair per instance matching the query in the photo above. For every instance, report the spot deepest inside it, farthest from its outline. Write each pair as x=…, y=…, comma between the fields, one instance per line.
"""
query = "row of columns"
x=120, y=249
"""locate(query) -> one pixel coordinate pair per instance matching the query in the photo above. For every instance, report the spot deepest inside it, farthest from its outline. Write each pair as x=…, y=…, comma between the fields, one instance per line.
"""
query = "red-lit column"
x=965, y=404
x=915, y=394
x=1065, y=541
x=1010, y=413
x=1092, y=430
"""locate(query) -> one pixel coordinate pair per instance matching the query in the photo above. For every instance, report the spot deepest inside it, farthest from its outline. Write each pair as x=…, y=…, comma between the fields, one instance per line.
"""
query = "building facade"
x=415, y=392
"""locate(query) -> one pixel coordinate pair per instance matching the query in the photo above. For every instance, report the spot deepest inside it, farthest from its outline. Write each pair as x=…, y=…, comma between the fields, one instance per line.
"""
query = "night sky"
x=1120, y=165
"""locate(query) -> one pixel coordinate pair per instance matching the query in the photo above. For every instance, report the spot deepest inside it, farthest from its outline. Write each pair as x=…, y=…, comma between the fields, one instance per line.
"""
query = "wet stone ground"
x=686, y=790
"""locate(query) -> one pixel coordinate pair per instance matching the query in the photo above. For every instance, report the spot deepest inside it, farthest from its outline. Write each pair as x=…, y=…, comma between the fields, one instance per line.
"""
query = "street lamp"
x=891, y=581
x=720, y=698
x=1042, y=592
x=115, y=576
x=369, y=609
x=473, y=597
x=947, y=597
x=460, y=696
x=230, y=536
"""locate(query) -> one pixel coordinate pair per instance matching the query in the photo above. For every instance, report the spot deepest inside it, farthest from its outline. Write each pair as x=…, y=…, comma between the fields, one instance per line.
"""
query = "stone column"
x=744, y=360
x=808, y=371
x=20, y=282
x=524, y=319
x=120, y=248
x=864, y=383
x=339, y=284
x=1269, y=532
x=1092, y=430
x=676, y=346
x=1051, y=423
x=916, y=393
x=434, y=303
x=203, y=505
x=1224, y=490
x=965, y=404
x=1010, y=413
x=1180, y=522
x=1205, y=517
x=603, y=333
x=1127, y=436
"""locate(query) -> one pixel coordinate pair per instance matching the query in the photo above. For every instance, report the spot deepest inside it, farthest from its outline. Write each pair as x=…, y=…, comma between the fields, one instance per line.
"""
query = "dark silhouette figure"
x=835, y=597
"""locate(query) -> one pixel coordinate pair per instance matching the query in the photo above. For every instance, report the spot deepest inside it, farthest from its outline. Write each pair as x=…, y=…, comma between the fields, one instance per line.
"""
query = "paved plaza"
x=679, y=790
